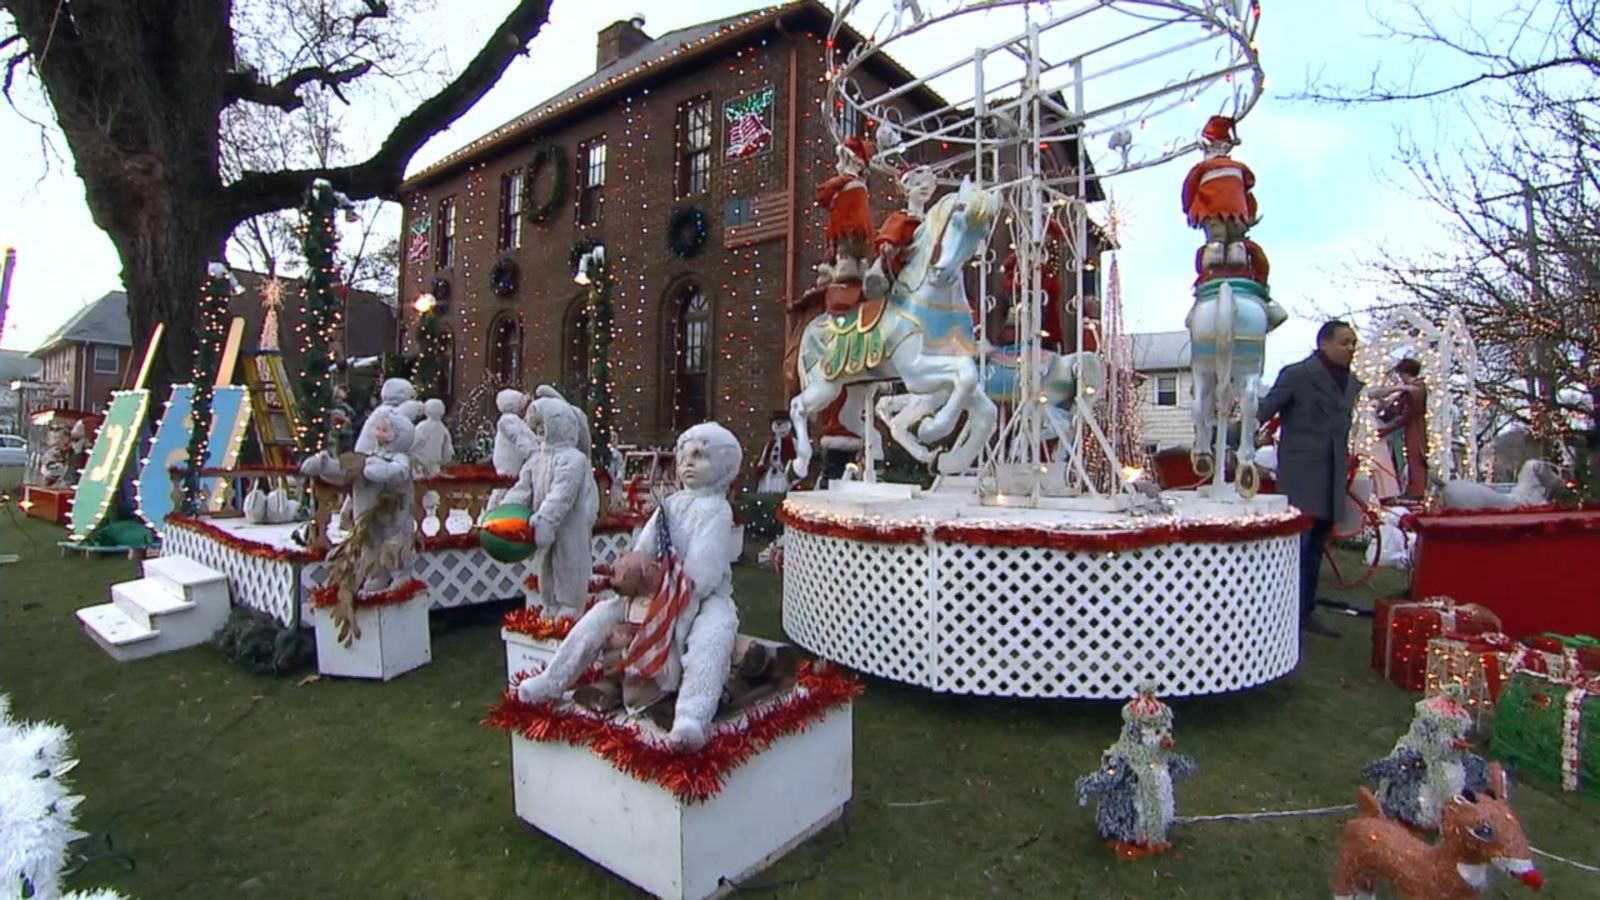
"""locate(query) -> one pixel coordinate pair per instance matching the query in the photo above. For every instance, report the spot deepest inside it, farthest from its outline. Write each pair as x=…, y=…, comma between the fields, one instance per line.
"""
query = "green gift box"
x=1541, y=726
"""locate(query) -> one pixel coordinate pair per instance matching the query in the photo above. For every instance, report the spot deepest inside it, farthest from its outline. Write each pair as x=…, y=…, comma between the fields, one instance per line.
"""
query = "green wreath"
x=686, y=231
x=551, y=155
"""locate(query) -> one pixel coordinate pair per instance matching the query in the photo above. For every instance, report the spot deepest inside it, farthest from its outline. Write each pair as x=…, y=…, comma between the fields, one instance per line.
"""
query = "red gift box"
x=1402, y=628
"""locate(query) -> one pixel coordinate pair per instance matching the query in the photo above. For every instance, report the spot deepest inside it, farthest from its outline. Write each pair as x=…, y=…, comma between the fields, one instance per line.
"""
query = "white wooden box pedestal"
x=645, y=835
x=394, y=640
x=526, y=654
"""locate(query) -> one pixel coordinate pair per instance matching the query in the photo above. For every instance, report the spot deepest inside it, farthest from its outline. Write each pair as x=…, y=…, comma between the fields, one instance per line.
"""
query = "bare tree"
x=140, y=90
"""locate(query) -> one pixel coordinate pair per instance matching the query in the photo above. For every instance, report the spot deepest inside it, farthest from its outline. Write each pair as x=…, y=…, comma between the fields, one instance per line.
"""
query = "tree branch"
x=285, y=94
x=380, y=175
x=1375, y=94
x=376, y=9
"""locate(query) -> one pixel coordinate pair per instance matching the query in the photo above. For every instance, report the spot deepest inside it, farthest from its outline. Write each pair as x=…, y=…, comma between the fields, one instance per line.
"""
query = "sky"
x=1330, y=193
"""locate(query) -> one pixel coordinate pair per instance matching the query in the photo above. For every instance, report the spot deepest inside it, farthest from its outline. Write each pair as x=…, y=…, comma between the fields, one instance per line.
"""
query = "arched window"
x=689, y=364
x=505, y=349
x=575, y=352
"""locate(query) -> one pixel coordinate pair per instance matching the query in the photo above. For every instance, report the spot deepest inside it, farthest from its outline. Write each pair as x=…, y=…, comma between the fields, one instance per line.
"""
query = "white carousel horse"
x=1058, y=378
x=1537, y=480
x=918, y=341
x=1227, y=345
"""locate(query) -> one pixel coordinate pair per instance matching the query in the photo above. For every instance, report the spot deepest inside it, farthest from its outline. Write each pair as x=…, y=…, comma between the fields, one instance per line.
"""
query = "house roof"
x=1160, y=350
x=15, y=364
x=105, y=321
x=660, y=54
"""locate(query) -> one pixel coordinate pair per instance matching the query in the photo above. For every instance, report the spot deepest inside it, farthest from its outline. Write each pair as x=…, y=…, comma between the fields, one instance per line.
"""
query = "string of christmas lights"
x=319, y=330
x=213, y=310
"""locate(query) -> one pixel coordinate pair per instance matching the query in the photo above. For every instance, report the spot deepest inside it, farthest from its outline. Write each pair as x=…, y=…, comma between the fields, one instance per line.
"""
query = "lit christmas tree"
x=213, y=308
x=319, y=331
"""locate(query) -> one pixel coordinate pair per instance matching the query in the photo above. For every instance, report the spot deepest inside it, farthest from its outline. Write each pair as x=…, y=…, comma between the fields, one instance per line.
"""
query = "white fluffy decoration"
x=1536, y=481
x=37, y=813
x=1393, y=547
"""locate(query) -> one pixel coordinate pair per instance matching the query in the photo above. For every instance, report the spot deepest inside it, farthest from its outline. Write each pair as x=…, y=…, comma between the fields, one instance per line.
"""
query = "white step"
x=118, y=634
x=183, y=574
x=146, y=600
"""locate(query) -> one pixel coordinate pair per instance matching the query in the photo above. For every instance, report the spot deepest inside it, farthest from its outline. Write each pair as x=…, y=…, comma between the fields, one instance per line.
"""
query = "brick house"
x=87, y=357
x=724, y=118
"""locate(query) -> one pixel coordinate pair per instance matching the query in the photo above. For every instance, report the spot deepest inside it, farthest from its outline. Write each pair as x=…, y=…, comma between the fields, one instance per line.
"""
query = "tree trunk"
x=164, y=270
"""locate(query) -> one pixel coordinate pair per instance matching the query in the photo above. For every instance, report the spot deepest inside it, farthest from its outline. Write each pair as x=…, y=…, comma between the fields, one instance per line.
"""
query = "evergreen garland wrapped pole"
x=213, y=329
x=601, y=316
x=319, y=331
x=430, y=352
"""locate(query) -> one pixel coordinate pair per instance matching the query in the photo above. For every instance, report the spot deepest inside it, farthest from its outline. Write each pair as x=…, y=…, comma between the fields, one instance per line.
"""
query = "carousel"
x=1041, y=561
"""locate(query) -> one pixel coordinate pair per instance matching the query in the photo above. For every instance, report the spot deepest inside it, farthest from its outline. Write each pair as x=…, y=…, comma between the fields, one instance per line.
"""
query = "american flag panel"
x=768, y=219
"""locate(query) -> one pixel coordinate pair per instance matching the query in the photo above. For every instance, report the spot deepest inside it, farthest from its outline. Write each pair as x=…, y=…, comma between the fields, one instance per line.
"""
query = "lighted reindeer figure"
x=1477, y=830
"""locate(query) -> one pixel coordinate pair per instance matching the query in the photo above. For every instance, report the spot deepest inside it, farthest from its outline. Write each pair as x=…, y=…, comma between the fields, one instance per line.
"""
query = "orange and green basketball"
x=506, y=534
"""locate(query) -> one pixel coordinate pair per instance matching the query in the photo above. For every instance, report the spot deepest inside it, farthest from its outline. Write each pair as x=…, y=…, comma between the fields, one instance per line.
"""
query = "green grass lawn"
x=223, y=784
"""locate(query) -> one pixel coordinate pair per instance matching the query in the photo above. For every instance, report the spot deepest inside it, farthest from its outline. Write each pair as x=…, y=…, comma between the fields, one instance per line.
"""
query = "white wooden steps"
x=178, y=603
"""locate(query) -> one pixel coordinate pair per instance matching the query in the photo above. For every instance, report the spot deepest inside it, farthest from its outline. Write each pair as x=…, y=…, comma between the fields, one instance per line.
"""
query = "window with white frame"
x=591, y=180
x=1166, y=390
x=694, y=146
x=511, y=190
x=106, y=360
x=445, y=255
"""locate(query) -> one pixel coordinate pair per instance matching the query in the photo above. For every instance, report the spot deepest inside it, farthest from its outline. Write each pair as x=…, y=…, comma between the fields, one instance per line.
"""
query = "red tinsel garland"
x=240, y=545
x=1561, y=520
x=876, y=534
x=328, y=595
x=691, y=777
x=466, y=541
x=1084, y=541
x=535, y=624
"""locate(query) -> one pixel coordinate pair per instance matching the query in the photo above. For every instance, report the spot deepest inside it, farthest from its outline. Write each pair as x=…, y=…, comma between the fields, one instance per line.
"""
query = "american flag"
x=767, y=218
x=651, y=647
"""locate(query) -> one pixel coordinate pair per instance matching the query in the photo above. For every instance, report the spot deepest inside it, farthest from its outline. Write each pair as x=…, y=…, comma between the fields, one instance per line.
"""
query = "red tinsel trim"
x=535, y=624
x=328, y=595
x=875, y=534
x=466, y=541
x=691, y=777
x=1054, y=539
x=239, y=545
x=261, y=471
x=1560, y=520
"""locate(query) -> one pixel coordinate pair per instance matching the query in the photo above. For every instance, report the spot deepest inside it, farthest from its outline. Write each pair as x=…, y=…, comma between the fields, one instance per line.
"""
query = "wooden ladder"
x=272, y=406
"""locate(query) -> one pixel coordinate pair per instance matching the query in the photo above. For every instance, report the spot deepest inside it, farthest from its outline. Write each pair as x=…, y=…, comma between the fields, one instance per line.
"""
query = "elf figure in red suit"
x=849, y=231
x=1218, y=197
x=894, y=238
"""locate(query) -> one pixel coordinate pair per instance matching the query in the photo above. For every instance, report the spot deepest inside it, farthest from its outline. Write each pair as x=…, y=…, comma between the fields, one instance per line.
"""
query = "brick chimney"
x=620, y=39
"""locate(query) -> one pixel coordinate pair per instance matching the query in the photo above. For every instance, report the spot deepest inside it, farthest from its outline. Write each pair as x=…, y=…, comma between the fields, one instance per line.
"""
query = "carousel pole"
x=1080, y=250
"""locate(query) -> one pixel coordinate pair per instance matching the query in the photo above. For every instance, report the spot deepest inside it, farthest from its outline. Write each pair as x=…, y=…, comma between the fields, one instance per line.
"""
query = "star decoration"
x=272, y=293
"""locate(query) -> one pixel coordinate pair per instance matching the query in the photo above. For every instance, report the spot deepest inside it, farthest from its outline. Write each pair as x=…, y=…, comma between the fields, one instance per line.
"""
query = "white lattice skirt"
x=1045, y=603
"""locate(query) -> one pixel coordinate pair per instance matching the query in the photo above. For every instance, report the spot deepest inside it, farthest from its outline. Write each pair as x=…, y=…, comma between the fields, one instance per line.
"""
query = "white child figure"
x=396, y=394
x=514, y=441
x=381, y=548
x=685, y=638
x=433, y=447
x=557, y=483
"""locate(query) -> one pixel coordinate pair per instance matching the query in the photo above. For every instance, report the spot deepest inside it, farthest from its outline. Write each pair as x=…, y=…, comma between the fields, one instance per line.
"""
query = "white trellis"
x=1449, y=361
x=1044, y=82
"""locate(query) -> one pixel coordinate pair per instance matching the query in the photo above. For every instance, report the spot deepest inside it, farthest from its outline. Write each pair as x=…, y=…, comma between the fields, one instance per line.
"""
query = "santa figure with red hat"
x=849, y=231
x=1217, y=197
x=893, y=241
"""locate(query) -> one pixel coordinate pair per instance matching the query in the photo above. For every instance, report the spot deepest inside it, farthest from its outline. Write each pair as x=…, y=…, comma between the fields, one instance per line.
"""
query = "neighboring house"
x=369, y=318
x=86, y=358
x=1162, y=360
x=15, y=366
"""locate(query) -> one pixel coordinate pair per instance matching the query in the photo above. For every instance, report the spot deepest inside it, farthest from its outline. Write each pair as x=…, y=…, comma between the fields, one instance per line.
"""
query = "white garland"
x=37, y=813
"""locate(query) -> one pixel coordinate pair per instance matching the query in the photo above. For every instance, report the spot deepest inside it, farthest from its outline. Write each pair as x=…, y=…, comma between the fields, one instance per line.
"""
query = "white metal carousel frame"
x=1019, y=591
x=1004, y=131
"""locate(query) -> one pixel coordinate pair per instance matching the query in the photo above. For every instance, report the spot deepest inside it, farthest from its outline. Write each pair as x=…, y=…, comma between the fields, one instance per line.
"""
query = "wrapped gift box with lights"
x=1551, y=726
x=1401, y=630
x=1480, y=664
x=680, y=824
x=394, y=633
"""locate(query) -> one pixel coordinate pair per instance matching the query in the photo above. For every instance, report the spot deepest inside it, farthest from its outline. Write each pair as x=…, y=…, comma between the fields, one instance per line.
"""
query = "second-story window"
x=848, y=116
x=445, y=256
x=511, y=190
x=694, y=146
x=591, y=180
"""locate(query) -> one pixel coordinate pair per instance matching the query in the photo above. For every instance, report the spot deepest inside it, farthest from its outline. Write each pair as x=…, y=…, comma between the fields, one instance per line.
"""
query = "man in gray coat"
x=1316, y=398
